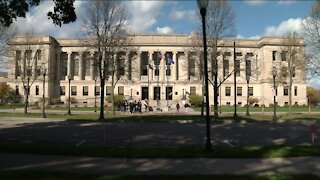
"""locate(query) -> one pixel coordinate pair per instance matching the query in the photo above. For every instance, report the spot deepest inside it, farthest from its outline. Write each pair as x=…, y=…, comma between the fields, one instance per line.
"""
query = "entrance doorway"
x=145, y=93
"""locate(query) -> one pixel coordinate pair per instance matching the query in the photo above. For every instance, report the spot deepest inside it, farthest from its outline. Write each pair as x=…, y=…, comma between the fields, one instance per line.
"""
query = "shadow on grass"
x=65, y=175
x=149, y=152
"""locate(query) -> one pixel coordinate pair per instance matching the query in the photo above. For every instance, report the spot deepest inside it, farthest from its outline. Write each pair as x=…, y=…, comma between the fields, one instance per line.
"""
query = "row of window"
x=283, y=55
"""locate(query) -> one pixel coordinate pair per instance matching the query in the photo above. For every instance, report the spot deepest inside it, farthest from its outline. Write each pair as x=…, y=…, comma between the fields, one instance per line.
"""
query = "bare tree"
x=5, y=34
x=105, y=22
x=220, y=24
x=29, y=64
x=292, y=64
x=312, y=29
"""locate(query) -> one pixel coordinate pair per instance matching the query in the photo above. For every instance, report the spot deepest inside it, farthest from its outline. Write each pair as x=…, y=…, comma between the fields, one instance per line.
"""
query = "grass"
x=26, y=175
x=123, y=117
x=179, y=152
x=259, y=109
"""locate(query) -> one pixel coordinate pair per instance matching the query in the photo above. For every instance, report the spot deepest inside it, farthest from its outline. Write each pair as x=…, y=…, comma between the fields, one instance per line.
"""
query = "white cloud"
x=255, y=2
x=239, y=36
x=143, y=14
x=164, y=30
x=183, y=14
x=290, y=25
x=37, y=22
x=286, y=2
x=315, y=82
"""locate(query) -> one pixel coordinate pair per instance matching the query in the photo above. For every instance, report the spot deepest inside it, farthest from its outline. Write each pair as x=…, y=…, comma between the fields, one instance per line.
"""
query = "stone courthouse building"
x=164, y=68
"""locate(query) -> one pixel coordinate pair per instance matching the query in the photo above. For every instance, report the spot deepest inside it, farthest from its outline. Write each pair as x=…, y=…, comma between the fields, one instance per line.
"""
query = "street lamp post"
x=220, y=82
x=274, y=74
x=95, y=94
x=43, y=93
x=69, y=103
x=248, y=79
x=203, y=4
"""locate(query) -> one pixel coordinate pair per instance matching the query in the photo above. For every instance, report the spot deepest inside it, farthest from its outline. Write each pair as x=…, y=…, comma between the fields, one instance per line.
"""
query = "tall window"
x=237, y=66
x=192, y=66
x=193, y=90
x=250, y=91
x=156, y=93
x=85, y=90
x=62, y=90
x=295, y=91
x=97, y=90
x=248, y=67
x=228, y=91
x=64, y=64
x=283, y=55
x=86, y=59
x=18, y=63
x=120, y=90
x=225, y=68
x=144, y=63
x=108, y=90
x=274, y=55
x=169, y=93
x=37, y=90
x=17, y=90
x=73, y=90
x=239, y=91
x=75, y=57
x=285, y=91
x=169, y=62
x=120, y=65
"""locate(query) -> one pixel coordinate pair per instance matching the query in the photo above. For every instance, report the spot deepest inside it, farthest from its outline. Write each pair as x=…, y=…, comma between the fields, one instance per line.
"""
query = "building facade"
x=165, y=69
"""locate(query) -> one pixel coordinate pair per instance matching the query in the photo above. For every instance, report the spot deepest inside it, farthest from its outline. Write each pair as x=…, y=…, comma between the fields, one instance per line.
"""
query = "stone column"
x=127, y=65
x=92, y=65
x=163, y=66
x=138, y=66
x=150, y=71
x=35, y=64
x=81, y=65
x=69, y=65
x=183, y=67
x=59, y=63
x=174, y=66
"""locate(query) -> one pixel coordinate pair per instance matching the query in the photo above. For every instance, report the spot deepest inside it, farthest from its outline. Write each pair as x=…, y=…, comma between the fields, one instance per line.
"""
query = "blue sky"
x=253, y=19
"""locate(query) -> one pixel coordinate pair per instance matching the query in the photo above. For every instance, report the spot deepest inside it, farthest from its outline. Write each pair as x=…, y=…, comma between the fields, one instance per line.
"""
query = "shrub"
x=117, y=99
x=253, y=100
x=195, y=100
x=55, y=101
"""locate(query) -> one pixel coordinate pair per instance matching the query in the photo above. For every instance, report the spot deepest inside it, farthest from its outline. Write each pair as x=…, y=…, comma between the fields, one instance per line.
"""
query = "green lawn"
x=163, y=117
x=259, y=109
x=179, y=152
x=26, y=175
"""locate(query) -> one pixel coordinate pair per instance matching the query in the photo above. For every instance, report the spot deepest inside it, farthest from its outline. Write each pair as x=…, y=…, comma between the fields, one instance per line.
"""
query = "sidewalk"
x=203, y=166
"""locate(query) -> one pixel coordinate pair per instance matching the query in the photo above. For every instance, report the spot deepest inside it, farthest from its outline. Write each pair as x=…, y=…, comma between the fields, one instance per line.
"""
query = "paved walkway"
x=92, y=165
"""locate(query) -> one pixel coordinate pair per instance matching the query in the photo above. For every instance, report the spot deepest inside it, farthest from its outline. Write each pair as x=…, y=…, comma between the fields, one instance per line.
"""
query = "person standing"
x=178, y=107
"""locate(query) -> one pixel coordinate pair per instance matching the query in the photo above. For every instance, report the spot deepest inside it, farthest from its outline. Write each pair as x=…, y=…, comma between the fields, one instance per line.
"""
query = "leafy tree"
x=313, y=95
x=10, y=10
x=195, y=100
x=8, y=95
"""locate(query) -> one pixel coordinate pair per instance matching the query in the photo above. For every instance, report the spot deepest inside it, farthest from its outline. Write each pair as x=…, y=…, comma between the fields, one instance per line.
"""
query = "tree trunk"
x=101, y=117
x=26, y=99
x=112, y=94
x=202, y=104
x=290, y=95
